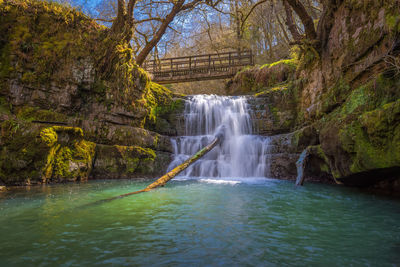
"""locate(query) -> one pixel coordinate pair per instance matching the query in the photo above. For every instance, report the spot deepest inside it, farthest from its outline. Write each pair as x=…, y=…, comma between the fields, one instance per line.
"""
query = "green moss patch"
x=374, y=139
x=289, y=62
x=36, y=114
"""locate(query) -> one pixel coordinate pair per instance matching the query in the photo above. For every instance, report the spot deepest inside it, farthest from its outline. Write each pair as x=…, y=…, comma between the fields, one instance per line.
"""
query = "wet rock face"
x=359, y=41
x=104, y=125
x=284, y=151
x=271, y=113
x=363, y=144
x=123, y=135
x=35, y=153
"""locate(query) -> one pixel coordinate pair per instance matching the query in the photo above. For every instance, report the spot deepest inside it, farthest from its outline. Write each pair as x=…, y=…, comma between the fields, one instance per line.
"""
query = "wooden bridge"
x=199, y=67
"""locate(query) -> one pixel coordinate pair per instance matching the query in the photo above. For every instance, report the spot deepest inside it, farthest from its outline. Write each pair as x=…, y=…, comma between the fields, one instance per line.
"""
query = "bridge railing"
x=199, y=62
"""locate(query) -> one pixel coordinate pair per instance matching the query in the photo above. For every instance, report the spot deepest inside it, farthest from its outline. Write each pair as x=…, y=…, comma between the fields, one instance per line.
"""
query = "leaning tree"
x=124, y=25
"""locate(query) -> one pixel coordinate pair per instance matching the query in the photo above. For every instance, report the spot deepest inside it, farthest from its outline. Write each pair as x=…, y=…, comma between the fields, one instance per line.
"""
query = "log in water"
x=174, y=172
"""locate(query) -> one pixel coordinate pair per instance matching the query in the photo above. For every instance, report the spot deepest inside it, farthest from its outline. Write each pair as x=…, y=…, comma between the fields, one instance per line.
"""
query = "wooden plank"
x=174, y=62
x=206, y=56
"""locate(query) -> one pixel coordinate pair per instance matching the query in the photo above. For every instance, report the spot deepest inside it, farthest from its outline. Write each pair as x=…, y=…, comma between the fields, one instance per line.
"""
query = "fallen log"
x=174, y=172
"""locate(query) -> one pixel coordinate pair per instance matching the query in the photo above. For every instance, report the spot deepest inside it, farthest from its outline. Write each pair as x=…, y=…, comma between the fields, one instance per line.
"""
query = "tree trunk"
x=121, y=33
x=167, y=177
x=283, y=30
x=290, y=23
x=326, y=20
x=122, y=27
x=119, y=21
x=306, y=19
x=141, y=57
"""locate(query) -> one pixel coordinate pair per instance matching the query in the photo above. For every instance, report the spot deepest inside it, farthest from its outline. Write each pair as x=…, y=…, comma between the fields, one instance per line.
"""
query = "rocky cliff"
x=342, y=102
x=64, y=116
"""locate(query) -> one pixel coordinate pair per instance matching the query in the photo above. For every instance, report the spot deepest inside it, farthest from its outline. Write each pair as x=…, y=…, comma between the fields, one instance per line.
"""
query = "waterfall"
x=241, y=154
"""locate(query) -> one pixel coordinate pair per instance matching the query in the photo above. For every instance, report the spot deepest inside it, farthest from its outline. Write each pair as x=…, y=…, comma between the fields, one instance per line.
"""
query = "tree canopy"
x=162, y=28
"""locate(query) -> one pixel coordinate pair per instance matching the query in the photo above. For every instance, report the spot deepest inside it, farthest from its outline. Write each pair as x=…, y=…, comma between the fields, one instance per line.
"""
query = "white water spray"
x=240, y=155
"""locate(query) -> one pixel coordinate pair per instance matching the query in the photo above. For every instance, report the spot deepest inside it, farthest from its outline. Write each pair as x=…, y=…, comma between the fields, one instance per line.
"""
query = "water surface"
x=214, y=222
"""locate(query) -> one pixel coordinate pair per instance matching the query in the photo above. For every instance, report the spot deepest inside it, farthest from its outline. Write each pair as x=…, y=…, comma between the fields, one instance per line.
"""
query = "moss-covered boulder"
x=23, y=154
x=70, y=157
x=357, y=145
x=72, y=67
x=118, y=162
x=31, y=153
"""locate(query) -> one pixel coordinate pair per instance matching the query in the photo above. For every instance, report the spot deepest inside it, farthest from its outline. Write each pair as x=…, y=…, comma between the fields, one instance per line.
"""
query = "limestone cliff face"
x=348, y=92
x=351, y=93
x=63, y=115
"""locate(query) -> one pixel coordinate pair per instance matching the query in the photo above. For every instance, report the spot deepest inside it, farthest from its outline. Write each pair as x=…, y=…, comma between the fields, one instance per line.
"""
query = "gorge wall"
x=341, y=102
x=64, y=115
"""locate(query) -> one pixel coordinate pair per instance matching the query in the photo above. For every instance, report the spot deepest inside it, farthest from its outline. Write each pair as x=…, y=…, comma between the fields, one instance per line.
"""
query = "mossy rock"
x=23, y=153
x=374, y=139
x=29, y=113
x=38, y=51
x=5, y=107
x=116, y=162
x=33, y=154
x=357, y=144
x=164, y=110
x=71, y=67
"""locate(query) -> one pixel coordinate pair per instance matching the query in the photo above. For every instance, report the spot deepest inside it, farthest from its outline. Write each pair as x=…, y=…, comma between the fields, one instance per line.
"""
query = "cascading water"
x=240, y=155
